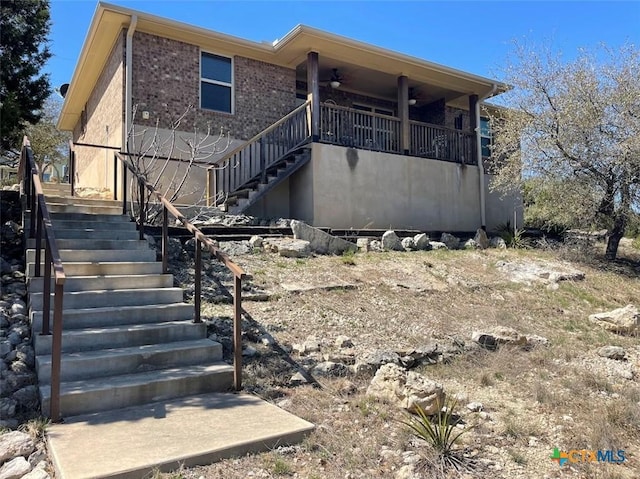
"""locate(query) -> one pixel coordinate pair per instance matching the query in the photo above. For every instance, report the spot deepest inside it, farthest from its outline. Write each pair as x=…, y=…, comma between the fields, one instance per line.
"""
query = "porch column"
x=403, y=113
x=313, y=93
x=473, y=122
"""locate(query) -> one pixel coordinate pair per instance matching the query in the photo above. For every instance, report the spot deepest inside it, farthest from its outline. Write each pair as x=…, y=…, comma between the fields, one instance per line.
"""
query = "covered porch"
x=426, y=110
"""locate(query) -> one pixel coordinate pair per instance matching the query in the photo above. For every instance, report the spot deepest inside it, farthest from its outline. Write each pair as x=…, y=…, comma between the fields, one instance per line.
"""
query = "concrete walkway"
x=131, y=442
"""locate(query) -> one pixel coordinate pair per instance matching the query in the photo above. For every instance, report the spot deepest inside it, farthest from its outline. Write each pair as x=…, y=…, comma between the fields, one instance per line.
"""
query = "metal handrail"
x=41, y=224
x=201, y=238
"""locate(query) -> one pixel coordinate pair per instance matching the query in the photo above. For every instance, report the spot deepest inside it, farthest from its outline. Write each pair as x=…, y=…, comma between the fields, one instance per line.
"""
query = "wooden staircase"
x=128, y=337
x=249, y=172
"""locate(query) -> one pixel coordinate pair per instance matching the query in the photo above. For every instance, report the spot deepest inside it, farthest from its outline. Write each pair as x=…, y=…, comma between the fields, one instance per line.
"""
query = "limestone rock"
x=343, y=342
x=500, y=335
x=497, y=242
x=319, y=241
x=15, y=469
x=534, y=341
x=437, y=245
x=391, y=242
x=481, y=239
x=311, y=345
x=612, y=352
x=289, y=248
x=406, y=389
x=37, y=473
x=329, y=368
x=363, y=244
x=15, y=443
x=421, y=241
x=470, y=244
x=622, y=320
x=451, y=241
x=256, y=241
x=370, y=362
x=297, y=379
x=408, y=244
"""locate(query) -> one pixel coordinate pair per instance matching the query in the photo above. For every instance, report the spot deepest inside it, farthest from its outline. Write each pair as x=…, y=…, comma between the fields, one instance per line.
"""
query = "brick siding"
x=166, y=79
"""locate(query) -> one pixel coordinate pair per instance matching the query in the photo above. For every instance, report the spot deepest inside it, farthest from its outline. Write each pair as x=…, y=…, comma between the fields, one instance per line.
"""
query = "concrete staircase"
x=128, y=338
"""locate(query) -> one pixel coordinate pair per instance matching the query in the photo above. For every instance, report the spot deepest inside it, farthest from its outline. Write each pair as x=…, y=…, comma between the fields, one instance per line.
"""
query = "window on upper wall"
x=216, y=83
x=485, y=137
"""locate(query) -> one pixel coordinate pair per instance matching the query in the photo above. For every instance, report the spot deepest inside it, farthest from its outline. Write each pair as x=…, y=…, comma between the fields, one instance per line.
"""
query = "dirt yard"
x=532, y=399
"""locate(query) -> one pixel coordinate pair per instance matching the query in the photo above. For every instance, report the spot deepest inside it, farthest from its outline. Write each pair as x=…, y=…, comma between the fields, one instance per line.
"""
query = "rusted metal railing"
x=201, y=241
x=40, y=228
x=441, y=143
x=344, y=126
x=250, y=161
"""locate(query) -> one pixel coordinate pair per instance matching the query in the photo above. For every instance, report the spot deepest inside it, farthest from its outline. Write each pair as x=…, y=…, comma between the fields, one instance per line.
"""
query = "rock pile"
x=19, y=395
x=22, y=457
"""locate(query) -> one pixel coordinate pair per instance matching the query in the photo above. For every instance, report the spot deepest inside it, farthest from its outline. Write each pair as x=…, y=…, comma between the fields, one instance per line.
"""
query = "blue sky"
x=474, y=36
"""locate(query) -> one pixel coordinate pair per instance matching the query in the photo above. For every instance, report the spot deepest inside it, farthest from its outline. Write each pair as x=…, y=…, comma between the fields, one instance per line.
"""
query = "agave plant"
x=440, y=431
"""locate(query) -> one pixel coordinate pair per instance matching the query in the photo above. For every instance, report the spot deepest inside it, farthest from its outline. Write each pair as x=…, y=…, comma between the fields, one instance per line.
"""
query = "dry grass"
x=562, y=395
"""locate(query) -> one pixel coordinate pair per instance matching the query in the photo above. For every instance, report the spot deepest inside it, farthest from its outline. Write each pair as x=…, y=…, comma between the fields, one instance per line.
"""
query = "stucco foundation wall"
x=502, y=207
x=364, y=189
x=273, y=205
x=102, y=124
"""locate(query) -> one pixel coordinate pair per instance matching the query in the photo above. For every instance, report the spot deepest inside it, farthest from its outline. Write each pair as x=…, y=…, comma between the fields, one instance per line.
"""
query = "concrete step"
x=103, y=394
x=55, y=198
x=123, y=224
x=99, y=255
x=99, y=210
x=56, y=188
x=90, y=217
x=120, y=297
x=104, y=268
x=91, y=244
x=91, y=283
x=109, y=316
x=122, y=336
x=93, y=233
x=110, y=362
x=140, y=441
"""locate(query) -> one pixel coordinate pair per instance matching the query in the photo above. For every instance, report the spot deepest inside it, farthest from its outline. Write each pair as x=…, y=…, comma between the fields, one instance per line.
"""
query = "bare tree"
x=168, y=158
x=572, y=131
x=49, y=144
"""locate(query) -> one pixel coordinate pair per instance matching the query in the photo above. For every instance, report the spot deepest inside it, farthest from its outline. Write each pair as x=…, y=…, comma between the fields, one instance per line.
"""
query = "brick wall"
x=166, y=79
x=102, y=122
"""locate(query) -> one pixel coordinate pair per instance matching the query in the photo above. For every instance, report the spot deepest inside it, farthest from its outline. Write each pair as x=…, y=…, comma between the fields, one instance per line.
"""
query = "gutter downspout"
x=128, y=82
x=483, y=206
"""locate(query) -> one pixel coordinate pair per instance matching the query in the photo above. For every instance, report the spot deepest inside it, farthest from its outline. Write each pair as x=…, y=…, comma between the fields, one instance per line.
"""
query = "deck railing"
x=200, y=240
x=344, y=126
x=441, y=143
x=250, y=161
x=41, y=228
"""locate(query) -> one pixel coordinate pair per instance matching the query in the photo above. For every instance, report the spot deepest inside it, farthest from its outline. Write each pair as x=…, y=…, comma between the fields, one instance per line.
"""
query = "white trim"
x=217, y=82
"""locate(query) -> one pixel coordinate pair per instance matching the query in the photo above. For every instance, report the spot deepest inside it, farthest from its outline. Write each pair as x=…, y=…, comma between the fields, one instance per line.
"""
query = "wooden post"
x=473, y=100
x=403, y=113
x=237, y=333
x=313, y=93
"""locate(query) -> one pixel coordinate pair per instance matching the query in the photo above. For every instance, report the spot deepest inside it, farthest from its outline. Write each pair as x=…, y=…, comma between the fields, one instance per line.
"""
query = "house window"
x=216, y=82
x=485, y=137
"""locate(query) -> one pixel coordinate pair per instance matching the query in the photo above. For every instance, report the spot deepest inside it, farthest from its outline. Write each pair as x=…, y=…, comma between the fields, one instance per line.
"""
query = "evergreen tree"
x=24, y=27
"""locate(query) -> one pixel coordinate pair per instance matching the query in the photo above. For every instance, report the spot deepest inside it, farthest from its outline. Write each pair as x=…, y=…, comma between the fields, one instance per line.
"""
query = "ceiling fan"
x=336, y=79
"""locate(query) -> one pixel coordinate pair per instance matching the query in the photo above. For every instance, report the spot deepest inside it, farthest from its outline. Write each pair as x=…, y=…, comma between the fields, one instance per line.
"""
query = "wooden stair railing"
x=201, y=239
x=41, y=225
x=250, y=161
